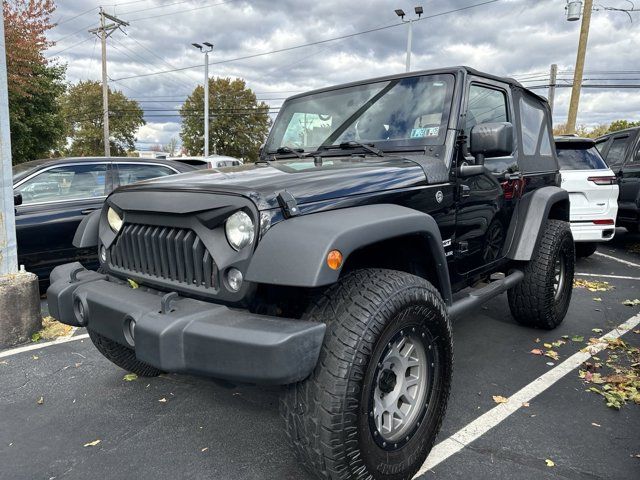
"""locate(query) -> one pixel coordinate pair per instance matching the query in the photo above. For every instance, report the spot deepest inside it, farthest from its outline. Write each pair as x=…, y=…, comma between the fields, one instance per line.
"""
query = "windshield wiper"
x=350, y=146
x=288, y=150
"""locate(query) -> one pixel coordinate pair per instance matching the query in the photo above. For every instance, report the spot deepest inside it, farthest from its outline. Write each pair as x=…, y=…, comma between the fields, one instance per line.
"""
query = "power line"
x=319, y=42
x=181, y=11
x=69, y=47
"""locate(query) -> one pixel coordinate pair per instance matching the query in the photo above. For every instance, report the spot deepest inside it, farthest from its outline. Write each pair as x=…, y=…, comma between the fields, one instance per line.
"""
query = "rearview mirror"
x=17, y=199
x=491, y=140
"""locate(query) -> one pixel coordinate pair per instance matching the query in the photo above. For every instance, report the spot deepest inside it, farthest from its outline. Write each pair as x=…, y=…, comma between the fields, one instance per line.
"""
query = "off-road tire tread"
x=531, y=301
x=122, y=356
x=311, y=411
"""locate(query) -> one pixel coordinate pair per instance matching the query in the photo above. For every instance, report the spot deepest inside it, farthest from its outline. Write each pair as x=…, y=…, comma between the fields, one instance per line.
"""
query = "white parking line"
x=610, y=257
x=497, y=414
x=38, y=346
x=621, y=277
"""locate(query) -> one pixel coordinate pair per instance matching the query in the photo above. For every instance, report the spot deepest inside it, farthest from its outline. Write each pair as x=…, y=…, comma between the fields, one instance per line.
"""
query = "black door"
x=54, y=202
x=623, y=157
x=485, y=202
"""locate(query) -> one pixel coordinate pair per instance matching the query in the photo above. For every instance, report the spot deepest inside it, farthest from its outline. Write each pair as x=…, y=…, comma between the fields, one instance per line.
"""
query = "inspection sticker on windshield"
x=424, y=132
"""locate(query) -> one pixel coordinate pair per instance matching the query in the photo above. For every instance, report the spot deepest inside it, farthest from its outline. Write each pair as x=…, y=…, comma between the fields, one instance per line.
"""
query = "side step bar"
x=477, y=297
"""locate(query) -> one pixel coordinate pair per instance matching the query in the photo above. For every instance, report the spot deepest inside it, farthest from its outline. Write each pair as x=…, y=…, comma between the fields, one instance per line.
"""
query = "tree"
x=238, y=123
x=34, y=84
x=597, y=131
x=82, y=109
x=172, y=147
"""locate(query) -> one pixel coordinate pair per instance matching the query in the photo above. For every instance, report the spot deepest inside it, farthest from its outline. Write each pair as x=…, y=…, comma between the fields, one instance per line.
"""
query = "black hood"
x=334, y=177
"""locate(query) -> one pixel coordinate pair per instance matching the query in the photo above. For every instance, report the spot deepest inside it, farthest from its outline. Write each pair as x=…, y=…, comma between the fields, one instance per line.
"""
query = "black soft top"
x=436, y=71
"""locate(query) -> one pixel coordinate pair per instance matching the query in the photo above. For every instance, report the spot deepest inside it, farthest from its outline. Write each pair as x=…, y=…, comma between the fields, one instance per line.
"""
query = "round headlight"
x=240, y=230
x=115, y=220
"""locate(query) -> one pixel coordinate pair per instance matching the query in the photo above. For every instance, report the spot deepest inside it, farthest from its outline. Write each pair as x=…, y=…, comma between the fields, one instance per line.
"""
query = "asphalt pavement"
x=54, y=400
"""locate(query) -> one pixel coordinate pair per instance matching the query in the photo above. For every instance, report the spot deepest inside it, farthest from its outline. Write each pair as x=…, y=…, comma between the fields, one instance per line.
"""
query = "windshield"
x=404, y=112
x=571, y=158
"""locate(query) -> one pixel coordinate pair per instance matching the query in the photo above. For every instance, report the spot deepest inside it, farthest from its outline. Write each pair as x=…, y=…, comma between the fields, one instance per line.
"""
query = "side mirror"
x=17, y=199
x=491, y=140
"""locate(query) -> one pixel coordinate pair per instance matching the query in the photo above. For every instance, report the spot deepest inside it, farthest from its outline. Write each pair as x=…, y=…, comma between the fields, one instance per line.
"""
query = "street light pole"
x=582, y=50
x=399, y=12
x=205, y=48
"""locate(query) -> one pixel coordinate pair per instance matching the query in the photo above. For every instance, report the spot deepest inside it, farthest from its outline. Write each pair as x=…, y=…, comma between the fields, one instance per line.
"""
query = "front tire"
x=374, y=404
x=541, y=300
x=122, y=356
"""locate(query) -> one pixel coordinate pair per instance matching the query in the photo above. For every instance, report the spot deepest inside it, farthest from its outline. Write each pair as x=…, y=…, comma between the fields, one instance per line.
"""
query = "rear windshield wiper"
x=351, y=145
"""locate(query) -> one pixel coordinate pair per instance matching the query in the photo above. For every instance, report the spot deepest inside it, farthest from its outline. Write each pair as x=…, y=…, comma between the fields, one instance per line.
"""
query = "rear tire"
x=541, y=300
x=383, y=327
x=122, y=356
x=585, y=249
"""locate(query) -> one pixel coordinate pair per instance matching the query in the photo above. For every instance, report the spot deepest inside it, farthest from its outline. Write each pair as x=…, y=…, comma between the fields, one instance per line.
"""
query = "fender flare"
x=529, y=217
x=293, y=252
x=87, y=232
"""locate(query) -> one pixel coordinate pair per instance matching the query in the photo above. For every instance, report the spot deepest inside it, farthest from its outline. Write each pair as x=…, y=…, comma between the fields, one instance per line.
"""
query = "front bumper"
x=588, y=232
x=191, y=336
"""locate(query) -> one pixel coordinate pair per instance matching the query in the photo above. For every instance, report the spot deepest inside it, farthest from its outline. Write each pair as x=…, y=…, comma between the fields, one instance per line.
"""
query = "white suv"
x=212, y=161
x=593, y=192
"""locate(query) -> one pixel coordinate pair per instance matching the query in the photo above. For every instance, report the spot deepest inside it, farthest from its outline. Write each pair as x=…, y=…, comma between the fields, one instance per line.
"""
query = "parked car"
x=621, y=151
x=329, y=265
x=593, y=192
x=213, y=161
x=52, y=196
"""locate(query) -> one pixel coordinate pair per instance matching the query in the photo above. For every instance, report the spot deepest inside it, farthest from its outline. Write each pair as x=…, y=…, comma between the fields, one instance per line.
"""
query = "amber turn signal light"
x=334, y=259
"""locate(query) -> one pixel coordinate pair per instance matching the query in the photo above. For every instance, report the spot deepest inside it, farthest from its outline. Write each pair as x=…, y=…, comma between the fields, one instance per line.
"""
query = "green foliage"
x=37, y=125
x=82, y=108
x=238, y=123
x=598, y=131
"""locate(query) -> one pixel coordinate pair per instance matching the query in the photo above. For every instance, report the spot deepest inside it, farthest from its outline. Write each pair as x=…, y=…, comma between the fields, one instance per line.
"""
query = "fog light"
x=103, y=254
x=234, y=279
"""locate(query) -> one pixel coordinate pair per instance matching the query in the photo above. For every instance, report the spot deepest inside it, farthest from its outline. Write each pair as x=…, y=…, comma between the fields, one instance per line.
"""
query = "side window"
x=534, y=129
x=600, y=144
x=130, y=173
x=615, y=155
x=486, y=105
x=72, y=182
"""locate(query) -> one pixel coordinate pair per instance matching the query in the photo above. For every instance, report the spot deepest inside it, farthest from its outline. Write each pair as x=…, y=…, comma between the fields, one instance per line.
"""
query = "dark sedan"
x=52, y=196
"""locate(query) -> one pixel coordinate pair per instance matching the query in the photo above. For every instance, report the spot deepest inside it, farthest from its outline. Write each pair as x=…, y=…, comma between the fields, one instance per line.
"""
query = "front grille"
x=174, y=254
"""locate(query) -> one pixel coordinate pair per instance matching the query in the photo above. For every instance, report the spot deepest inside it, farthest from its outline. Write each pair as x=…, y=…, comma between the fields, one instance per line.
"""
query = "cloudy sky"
x=519, y=38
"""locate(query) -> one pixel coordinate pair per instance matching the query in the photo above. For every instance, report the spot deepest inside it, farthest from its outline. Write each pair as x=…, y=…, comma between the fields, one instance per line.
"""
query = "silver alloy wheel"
x=401, y=387
x=558, y=276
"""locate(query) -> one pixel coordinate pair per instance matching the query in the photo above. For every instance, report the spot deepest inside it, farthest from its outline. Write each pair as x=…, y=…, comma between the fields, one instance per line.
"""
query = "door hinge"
x=465, y=191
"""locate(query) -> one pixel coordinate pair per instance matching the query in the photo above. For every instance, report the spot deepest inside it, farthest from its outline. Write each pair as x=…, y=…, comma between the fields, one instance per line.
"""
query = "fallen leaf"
x=204, y=449
x=551, y=364
x=592, y=286
x=92, y=444
x=40, y=401
x=525, y=404
x=500, y=399
x=631, y=303
x=577, y=338
x=537, y=340
x=4, y=362
x=130, y=377
x=537, y=351
x=35, y=337
x=163, y=400
x=635, y=331
x=35, y=357
x=552, y=354
x=596, y=330
x=132, y=283
x=595, y=424
x=550, y=463
x=597, y=299
x=547, y=345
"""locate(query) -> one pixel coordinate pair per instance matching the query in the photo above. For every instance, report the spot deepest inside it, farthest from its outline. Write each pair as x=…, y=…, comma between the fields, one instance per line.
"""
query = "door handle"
x=87, y=211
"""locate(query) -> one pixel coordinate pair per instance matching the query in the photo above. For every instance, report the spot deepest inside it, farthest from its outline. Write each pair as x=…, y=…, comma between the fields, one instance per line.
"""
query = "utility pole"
x=553, y=75
x=582, y=50
x=399, y=12
x=8, y=250
x=206, y=49
x=104, y=31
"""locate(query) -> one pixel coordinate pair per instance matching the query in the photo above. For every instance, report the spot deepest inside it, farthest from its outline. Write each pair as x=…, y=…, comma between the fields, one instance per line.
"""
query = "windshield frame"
x=449, y=115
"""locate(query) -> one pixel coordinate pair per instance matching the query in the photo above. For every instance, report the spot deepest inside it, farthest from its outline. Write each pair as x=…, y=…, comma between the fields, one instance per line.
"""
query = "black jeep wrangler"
x=378, y=211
